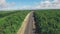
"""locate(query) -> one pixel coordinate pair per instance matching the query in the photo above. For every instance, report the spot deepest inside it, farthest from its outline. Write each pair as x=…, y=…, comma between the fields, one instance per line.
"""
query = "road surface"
x=30, y=29
x=28, y=26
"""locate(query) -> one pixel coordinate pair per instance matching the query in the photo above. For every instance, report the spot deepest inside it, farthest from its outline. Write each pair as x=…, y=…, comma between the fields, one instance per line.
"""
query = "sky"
x=29, y=4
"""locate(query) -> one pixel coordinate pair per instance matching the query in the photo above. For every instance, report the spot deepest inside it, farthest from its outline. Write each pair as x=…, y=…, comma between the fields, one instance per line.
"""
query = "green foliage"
x=11, y=23
x=48, y=21
x=6, y=13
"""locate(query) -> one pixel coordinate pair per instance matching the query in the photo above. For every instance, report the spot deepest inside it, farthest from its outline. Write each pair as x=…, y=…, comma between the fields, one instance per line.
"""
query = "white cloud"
x=25, y=7
x=44, y=5
x=40, y=5
x=4, y=4
x=2, y=1
x=47, y=4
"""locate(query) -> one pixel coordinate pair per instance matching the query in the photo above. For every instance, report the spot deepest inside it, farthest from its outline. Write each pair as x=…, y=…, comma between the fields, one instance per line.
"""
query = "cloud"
x=4, y=4
x=2, y=1
x=47, y=4
x=25, y=7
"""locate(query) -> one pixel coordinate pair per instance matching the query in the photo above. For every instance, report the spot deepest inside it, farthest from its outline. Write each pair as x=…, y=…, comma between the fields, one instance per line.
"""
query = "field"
x=47, y=21
x=10, y=21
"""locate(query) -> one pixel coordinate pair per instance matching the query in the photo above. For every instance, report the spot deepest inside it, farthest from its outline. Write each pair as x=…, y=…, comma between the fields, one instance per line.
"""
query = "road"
x=28, y=26
x=30, y=29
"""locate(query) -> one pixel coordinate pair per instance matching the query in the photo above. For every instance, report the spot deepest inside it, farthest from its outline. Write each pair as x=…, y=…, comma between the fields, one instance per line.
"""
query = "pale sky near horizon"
x=29, y=4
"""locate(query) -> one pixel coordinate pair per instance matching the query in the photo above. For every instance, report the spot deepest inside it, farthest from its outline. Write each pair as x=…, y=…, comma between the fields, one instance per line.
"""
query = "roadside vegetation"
x=47, y=21
x=10, y=22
